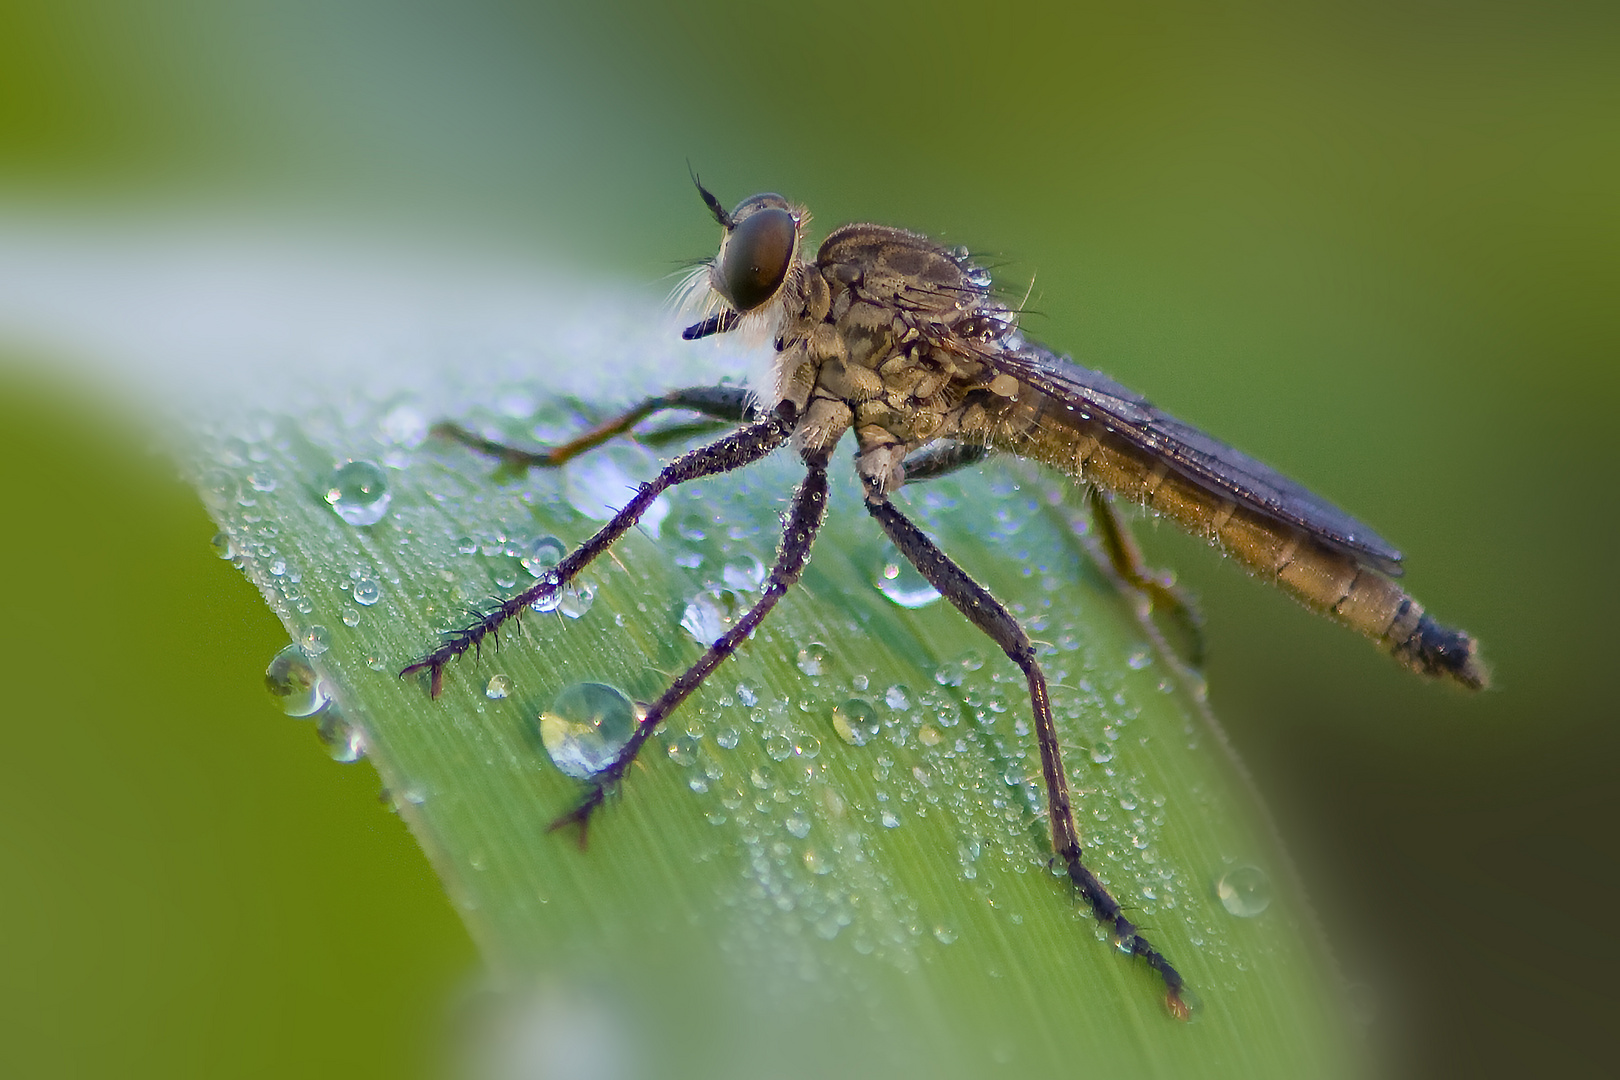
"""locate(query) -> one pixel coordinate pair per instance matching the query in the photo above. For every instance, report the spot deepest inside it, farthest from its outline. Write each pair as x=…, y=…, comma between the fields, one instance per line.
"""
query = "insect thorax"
x=883, y=333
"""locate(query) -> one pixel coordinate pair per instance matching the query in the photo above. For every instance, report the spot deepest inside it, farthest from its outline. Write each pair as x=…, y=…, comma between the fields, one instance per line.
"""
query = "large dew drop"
x=586, y=727
x=293, y=682
x=1244, y=891
x=358, y=492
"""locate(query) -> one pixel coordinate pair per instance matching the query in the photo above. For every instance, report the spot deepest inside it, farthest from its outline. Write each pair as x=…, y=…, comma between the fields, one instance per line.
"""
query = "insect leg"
x=1125, y=555
x=742, y=447
x=733, y=403
x=942, y=458
x=987, y=613
x=1117, y=543
x=804, y=520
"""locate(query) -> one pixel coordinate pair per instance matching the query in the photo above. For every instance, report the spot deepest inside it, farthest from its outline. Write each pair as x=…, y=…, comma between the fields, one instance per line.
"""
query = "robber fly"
x=898, y=339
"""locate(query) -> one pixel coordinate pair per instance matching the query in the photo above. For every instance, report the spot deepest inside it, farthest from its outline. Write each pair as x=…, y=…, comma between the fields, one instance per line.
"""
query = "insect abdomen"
x=1323, y=577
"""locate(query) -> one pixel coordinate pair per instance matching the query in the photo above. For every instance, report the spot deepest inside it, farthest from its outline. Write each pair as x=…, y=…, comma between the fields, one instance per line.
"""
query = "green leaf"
x=834, y=858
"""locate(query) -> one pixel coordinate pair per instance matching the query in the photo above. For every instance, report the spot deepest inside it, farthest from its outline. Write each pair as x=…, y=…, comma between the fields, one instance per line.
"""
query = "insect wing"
x=1206, y=461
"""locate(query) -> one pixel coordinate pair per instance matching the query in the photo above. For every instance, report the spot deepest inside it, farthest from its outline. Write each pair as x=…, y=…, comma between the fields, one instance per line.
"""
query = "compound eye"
x=758, y=252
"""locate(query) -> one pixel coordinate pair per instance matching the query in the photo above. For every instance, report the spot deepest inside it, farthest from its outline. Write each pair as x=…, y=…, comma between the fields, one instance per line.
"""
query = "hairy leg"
x=742, y=447
x=988, y=614
x=1115, y=539
x=808, y=511
x=1125, y=556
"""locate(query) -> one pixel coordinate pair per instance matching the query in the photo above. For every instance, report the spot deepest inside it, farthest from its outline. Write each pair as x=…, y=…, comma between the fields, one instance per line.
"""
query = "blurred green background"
x=1375, y=245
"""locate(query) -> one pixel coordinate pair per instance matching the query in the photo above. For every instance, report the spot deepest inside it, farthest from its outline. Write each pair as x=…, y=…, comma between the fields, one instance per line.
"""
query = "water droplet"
x=779, y=747
x=747, y=696
x=1102, y=753
x=1244, y=891
x=222, y=546
x=744, y=576
x=806, y=746
x=710, y=614
x=929, y=735
x=890, y=820
x=727, y=738
x=902, y=583
x=358, y=492
x=344, y=741
x=797, y=824
x=812, y=658
x=316, y=640
x=586, y=727
x=292, y=681
x=853, y=721
x=576, y=600
x=366, y=592
x=943, y=934
x=219, y=488
x=498, y=688
x=406, y=426
x=1138, y=660
x=543, y=554
x=351, y=616
x=683, y=750
x=895, y=698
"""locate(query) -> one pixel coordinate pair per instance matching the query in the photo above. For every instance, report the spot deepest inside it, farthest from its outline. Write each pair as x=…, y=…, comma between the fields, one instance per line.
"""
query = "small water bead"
x=344, y=741
x=895, y=698
x=890, y=820
x=901, y=582
x=358, y=492
x=293, y=682
x=1244, y=891
x=543, y=554
x=498, y=688
x=351, y=616
x=406, y=426
x=852, y=721
x=683, y=750
x=813, y=658
x=727, y=738
x=219, y=488
x=366, y=592
x=222, y=546
x=797, y=824
x=806, y=746
x=1138, y=660
x=944, y=934
x=316, y=640
x=586, y=727
x=779, y=747
x=710, y=613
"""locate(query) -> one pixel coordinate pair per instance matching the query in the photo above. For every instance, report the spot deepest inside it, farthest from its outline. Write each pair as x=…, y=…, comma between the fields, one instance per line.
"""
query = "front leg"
x=804, y=520
x=742, y=447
